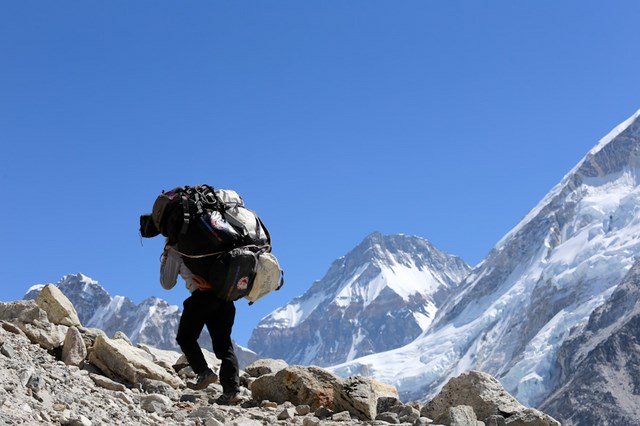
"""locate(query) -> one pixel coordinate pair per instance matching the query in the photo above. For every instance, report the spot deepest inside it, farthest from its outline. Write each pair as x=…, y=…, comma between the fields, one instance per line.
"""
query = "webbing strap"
x=198, y=256
x=185, y=215
x=253, y=248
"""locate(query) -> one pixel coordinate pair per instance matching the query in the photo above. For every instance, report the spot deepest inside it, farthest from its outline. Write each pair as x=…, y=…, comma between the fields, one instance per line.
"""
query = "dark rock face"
x=380, y=296
x=598, y=374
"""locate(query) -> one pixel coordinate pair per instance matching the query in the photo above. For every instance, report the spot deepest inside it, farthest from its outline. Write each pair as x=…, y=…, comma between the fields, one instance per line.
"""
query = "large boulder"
x=462, y=415
x=119, y=360
x=317, y=387
x=47, y=335
x=265, y=366
x=359, y=395
x=74, y=350
x=58, y=308
x=300, y=385
x=487, y=397
x=33, y=321
x=23, y=311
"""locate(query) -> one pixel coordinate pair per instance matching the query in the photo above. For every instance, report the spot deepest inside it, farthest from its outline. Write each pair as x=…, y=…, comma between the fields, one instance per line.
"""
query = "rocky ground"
x=54, y=371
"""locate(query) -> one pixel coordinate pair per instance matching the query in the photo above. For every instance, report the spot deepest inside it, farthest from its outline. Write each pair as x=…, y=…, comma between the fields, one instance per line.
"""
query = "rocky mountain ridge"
x=55, y=371
x=153, y=322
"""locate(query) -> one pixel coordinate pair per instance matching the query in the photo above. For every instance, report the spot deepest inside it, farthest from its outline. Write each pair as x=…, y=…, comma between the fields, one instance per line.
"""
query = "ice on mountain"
x=545, y=277
x=403, y=276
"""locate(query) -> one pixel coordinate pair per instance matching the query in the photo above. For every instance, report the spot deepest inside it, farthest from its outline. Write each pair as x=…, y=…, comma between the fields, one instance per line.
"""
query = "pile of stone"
x=55, y=371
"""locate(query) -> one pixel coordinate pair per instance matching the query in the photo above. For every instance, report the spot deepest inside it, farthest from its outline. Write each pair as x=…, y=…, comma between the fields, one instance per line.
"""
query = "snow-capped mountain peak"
x=383, y=293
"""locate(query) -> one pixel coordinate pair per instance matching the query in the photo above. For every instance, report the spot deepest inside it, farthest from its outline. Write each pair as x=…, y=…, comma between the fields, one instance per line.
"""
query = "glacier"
x=543, y=279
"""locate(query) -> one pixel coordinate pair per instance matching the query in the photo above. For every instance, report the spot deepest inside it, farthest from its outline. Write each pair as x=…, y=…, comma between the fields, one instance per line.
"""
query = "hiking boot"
x=204, y=379
x=229, y=398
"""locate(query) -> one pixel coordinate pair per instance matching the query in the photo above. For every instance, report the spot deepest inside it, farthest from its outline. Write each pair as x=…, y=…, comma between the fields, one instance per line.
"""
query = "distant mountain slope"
x=546, y=276
x=381, y=295
x=599, y=364
x=153, y=322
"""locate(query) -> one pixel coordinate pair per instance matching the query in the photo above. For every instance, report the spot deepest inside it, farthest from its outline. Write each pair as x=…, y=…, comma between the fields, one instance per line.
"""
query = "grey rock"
x=89, y=335
x=74, y=350
x=265, y=366
x=76, y=421
x=188, y=397
x=303, y=410
x=388, y=404
x=312, y=386
x=81, y=421
x=244, y=421
x=495, y=420
x=121, y=335
x=57, y=306
x=158, y=387
x=155, y=403
x=22, y=311
x=342, y=416
x=483, y=393
x=12, y=328
x=388, y=417
x=118, y=359
x=47, y=335
x=461, y=415
x=35, y=383
x=8, y=351
x=107, y=383
x=530, y=417
x=323, y=412
x=287, y=413
x=359, y=396
x=206, y=412
x=311, y=421
x=124, y=398
x=408, y=414
x=24, y=375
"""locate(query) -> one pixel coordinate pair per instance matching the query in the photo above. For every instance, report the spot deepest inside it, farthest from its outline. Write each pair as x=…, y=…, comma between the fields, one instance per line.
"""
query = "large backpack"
x=219, y=239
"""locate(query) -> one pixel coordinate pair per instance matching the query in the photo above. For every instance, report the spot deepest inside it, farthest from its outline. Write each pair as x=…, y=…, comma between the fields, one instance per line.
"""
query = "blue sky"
x=333, y=119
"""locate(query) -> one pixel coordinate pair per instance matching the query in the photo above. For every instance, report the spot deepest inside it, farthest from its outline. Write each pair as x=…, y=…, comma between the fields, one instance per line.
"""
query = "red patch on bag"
x=243, y=283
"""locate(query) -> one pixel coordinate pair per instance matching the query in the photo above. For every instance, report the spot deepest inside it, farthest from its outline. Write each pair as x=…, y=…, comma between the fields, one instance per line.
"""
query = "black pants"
x=201, y=309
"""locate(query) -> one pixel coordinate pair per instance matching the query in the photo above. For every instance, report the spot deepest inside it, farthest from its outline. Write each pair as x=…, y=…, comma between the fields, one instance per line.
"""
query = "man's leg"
x=219, y=324
x=191, y=323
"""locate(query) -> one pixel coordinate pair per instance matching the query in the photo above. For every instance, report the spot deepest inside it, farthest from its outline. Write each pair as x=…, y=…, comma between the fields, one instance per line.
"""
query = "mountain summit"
x=381, y=295
x=545, y=277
